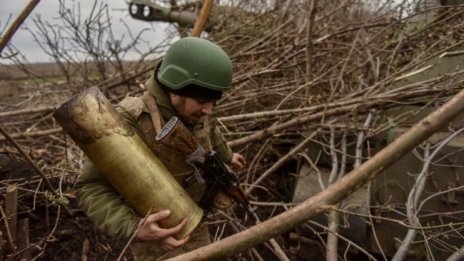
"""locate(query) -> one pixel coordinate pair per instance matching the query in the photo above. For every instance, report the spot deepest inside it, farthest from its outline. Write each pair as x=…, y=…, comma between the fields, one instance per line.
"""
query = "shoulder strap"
x=155, y=115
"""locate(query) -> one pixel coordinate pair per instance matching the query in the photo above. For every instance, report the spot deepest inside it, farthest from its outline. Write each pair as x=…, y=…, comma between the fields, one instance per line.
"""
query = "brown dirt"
x=55, y=233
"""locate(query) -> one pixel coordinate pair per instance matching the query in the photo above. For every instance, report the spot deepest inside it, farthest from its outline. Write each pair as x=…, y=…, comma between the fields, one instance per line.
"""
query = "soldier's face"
x=190, y=110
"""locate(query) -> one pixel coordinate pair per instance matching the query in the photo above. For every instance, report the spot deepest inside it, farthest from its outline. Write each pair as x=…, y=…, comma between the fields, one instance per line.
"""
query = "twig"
x=371, y=257
x=31, y=162
x=17, y=23
x=414, y=195
x=309, y=39
x=9, y=238
x=27, y=111
x=33, y=134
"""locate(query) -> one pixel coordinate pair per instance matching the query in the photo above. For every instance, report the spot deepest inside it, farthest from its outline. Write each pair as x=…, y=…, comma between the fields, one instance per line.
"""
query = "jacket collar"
x=162, y=99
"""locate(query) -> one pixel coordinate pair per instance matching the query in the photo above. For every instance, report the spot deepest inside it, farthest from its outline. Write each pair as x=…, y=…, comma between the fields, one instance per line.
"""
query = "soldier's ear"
x=172, y=96
x=176, y=100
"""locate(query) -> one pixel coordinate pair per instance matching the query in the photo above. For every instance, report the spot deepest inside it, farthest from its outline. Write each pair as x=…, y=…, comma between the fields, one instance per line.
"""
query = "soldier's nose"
x=207, y=108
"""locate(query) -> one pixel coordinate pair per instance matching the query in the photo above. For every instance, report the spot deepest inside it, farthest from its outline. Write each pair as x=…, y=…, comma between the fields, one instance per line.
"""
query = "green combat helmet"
x=193, y=61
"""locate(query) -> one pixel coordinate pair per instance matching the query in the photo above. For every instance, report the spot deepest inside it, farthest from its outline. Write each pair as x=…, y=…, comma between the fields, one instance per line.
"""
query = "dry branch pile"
x=300, y=69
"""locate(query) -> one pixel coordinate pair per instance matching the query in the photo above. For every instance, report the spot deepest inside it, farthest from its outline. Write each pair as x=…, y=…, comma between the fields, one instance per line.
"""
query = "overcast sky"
x=48, y=9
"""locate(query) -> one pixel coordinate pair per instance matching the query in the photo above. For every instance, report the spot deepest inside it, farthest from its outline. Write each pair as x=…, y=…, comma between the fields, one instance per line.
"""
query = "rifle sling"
x=155, y=115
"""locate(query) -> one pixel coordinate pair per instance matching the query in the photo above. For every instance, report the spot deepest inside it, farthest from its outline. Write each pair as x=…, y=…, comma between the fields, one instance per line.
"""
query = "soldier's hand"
x=238, y=161
x=149, y=230
x=222, y=201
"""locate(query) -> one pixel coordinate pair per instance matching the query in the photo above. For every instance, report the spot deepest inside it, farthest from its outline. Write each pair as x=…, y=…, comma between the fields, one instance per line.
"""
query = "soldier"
x=186, y=83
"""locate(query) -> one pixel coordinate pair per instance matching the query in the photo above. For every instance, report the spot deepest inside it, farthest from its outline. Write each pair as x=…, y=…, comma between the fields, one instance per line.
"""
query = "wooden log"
x=23, y=239
x=207, y=5
x=11, y=208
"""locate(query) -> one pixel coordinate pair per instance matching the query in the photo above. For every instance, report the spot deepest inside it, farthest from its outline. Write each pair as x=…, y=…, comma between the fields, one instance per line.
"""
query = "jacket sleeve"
x=104, y=206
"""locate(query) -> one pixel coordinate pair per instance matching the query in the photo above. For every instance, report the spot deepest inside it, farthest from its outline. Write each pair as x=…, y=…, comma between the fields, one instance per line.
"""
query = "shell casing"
x=125, y=160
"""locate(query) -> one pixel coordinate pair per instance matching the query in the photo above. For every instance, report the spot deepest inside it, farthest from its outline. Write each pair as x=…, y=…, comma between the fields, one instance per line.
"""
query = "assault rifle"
x=208, y=167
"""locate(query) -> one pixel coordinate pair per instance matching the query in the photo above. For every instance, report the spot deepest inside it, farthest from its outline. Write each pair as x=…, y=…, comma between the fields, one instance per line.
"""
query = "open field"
x=9, y=71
